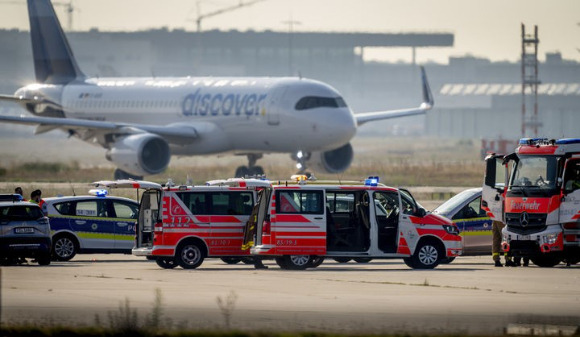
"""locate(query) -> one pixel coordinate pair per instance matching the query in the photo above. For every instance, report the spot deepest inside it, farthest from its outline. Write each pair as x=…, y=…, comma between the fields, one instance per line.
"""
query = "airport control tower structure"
x=530, y=83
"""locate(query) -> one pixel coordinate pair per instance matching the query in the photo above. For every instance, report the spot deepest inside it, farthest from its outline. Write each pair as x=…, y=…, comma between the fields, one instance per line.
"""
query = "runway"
x=468, y=296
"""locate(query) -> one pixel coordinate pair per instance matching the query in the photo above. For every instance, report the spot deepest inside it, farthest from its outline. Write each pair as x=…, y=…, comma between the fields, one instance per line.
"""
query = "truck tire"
x=166, y=262
x=341, y=259
x=296, y=262
x=547, y=261
x=231, y=260
x=189, y=255
x=316, y=261
x=362, y=259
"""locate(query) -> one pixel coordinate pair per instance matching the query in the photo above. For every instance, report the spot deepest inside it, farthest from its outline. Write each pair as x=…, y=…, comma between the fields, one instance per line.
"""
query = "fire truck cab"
x=297, y=222
x=535, y=191
x=182, y=225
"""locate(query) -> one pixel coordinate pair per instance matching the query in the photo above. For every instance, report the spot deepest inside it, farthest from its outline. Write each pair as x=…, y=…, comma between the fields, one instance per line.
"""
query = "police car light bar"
x=372, y=181
x=99, y=193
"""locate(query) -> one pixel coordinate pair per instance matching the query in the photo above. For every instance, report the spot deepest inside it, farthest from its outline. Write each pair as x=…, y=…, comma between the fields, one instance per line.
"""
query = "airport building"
x=474, y=98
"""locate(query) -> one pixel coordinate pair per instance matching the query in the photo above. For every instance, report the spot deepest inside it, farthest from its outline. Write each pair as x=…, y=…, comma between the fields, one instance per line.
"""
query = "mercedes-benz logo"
x=524, y=219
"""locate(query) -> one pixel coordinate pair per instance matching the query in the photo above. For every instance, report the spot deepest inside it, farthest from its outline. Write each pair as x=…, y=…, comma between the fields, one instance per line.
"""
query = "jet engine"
x=333, y=161
x=140, y=154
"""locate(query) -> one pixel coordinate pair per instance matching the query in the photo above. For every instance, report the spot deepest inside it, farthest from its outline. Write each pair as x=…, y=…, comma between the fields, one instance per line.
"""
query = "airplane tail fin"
x=54, y=62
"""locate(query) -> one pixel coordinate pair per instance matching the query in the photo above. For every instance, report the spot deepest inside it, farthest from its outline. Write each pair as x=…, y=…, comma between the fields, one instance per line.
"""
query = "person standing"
x=18, y=190
x=496, y=228
x=36, y=197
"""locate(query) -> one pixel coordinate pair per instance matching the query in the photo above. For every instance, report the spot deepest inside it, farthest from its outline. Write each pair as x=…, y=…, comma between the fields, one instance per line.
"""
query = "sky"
x=484, y=28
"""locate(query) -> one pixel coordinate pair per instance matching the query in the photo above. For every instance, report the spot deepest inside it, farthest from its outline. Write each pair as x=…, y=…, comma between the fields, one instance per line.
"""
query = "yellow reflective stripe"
x=102, y=236
x=91, y=218
x=471, y=219
x=476, y=233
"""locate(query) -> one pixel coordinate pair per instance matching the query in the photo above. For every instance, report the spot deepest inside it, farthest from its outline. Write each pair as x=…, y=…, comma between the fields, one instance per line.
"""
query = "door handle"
x=122, y=224
x=318, y=218
x=80, y=222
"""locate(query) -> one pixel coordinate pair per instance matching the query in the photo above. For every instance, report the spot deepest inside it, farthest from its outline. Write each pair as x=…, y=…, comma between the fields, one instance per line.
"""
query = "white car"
x=464, y=209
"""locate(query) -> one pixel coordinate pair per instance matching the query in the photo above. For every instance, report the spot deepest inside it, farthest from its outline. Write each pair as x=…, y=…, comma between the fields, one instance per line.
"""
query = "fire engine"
x=539, y=201
x=182, y=225
x=297, y=222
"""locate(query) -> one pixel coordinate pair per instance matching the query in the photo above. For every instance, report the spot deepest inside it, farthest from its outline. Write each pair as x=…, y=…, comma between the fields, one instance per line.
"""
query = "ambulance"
x=182, y=225
x=299, y=221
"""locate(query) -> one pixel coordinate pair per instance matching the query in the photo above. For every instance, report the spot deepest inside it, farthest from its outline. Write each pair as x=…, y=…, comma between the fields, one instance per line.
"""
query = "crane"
x=201, y=17
x=68, y=7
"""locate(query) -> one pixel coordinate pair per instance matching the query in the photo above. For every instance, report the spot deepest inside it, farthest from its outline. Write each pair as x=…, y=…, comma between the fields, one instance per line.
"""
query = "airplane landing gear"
x=120, y=174
x=251, y=169
x=301, y=159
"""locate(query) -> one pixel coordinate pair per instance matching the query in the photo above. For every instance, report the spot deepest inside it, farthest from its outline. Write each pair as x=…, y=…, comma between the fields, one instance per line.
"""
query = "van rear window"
x=303, y=202
x=218, y=203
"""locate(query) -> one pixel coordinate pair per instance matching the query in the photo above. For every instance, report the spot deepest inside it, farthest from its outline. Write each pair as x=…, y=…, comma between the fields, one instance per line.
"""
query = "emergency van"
x=298, y=221
x=539, y=201
x=182, y=225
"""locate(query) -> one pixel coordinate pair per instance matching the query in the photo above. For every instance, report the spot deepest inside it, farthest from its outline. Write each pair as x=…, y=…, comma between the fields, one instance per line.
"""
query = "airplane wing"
x=427, y=104
x=36, y=100
x=174, y=133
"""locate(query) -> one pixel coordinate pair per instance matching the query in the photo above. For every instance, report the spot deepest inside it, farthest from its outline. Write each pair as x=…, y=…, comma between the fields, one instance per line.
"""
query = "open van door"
x=148, y=211
x=494, y=186
x=253, y=228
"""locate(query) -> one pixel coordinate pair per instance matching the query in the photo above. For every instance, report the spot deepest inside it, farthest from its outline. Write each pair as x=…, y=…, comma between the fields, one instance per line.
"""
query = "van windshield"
x=20, y=213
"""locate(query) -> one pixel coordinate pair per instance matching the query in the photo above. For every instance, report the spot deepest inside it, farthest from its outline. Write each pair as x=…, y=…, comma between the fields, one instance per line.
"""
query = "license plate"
x=24, y=230
x=524, y=237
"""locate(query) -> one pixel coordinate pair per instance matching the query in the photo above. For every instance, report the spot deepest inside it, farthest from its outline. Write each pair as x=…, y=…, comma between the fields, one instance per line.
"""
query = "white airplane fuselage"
x=243, y=115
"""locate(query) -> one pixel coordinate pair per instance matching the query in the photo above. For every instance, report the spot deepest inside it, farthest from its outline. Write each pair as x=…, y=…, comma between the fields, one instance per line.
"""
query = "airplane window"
x=311, y=102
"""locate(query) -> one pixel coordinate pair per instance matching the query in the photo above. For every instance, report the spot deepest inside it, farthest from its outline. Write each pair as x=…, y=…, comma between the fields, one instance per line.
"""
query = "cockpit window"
x=311, y=102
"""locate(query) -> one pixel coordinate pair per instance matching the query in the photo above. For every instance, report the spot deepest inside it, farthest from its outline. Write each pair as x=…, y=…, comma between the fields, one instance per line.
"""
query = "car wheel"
x=297, y=262
x=231, y=260
x=281, y=262
x=341, y=259
x=546, y=261
x=447, y=260
x=166, y=262
x=64, y=248
x=248, y=260
x=427, y=255
x=189, y=255
x=409, y=262
x=43, y=260
x=316, y=261
x=362, y=259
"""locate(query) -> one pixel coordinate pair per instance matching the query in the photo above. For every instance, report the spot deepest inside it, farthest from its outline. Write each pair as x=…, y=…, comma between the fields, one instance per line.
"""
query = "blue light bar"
x=99, y=193
x=372, y=181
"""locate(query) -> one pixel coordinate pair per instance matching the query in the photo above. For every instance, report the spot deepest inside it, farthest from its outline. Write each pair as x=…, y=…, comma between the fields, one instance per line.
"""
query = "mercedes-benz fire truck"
x=536, y=193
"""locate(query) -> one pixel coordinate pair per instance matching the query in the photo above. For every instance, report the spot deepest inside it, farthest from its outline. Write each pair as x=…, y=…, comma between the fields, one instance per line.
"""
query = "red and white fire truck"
x=298, y=222
x=182, y=225
x=539, y=201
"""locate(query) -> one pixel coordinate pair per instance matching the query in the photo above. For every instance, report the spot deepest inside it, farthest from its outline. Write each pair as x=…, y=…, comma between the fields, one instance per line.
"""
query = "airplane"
x=142, y=122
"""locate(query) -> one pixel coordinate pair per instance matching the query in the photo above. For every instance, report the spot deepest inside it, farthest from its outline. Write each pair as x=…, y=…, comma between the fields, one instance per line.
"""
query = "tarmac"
x=468, y=296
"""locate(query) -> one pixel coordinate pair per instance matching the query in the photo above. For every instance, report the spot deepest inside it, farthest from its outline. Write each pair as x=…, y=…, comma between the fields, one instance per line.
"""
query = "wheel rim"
x=300, y=260
x=190, y=255
x=64, y=247
x=428, y=255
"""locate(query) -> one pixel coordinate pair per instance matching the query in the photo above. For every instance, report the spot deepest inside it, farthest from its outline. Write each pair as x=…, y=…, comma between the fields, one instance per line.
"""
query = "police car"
x=464, y=209
x=94, y=223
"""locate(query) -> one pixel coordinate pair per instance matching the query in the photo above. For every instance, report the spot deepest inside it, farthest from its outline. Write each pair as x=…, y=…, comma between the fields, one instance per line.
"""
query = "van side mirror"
x=421, y=212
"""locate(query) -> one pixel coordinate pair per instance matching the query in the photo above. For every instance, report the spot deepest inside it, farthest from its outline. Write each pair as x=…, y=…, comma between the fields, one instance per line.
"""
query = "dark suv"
x=24, y=232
